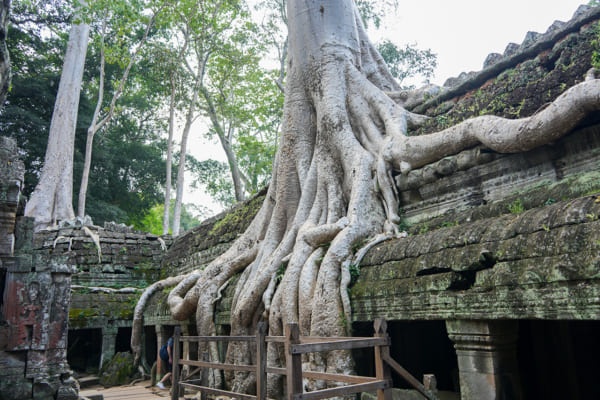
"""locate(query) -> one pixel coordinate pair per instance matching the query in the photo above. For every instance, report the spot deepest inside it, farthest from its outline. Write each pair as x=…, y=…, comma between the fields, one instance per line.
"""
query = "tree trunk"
x=183, y=152
x=4, y=56
x=52, y=199
x=169, y=158
x=225, y=140
x=98, y=121
x=332, y=187
x=91, y=131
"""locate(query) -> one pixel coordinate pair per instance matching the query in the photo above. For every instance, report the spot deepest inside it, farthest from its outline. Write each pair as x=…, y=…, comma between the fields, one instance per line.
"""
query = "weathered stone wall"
x=200, y=245
x=34, y=302
x=112, y=265
x=542, y=263
x=499, y=235
x=71, y=277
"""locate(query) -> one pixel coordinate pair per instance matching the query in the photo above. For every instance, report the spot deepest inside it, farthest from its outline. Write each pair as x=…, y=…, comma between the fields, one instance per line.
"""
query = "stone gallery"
x=495, y=288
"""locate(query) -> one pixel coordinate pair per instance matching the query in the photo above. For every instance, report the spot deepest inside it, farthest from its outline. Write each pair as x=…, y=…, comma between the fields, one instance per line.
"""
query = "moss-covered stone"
x=120, y=370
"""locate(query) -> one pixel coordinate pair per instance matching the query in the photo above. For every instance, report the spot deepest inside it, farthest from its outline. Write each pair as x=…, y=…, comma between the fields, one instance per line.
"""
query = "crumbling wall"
x=35, y=301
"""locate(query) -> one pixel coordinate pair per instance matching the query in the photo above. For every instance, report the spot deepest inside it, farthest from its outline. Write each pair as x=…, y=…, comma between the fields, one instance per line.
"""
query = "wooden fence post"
x=261, y=361
x=382, y=371
x=293, y=362
x=175, y=377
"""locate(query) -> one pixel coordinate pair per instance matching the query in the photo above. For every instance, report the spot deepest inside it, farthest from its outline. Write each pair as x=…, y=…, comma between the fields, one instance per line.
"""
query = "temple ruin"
x=495, y=290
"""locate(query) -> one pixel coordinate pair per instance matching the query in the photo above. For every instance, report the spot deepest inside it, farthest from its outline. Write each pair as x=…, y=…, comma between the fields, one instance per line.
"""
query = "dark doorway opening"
x=151, y=352
x=123, y=340
x=559, y=359
x=84, y=350
x=422, y=347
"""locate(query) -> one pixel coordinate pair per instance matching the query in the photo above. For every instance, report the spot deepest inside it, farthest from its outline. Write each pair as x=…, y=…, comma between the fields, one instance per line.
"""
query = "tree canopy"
x=239, y=101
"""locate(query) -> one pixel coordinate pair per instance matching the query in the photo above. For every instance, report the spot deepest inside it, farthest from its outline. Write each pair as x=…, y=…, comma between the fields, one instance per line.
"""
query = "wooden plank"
x=382, y=371
x=175, y=377
x=275, y=339
x=338, y=377
x=218, y=392
x=414, y=382
x=261, y=361
x=338, y=344
x=293, y=362
x=314, y=339
x=218, y=338
x=326, y=376
x=276, y=370
x=222, y=366
x=342, y=391
x=139, y=391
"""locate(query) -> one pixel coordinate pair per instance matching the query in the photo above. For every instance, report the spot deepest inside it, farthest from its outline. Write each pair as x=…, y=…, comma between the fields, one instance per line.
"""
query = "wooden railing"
x=295, y=347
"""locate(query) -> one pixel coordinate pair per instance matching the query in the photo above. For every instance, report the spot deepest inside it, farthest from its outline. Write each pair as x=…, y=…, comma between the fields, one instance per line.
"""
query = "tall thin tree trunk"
x=236, y=174
x=169, y=158
x=225, y=140
x=52, y=199
x=183, y=153
x=96, y=125
x=91, y=131
x=4, y=56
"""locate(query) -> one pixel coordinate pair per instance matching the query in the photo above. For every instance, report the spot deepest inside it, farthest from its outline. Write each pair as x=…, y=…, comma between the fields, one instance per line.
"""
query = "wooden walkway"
x=138, y=391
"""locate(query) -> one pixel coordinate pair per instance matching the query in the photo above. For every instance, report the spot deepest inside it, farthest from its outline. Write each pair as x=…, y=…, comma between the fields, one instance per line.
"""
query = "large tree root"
x=403, y=153
x=332, y=190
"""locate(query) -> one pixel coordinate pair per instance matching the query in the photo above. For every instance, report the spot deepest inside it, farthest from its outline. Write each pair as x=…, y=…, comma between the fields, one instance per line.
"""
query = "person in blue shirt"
x=166, y=354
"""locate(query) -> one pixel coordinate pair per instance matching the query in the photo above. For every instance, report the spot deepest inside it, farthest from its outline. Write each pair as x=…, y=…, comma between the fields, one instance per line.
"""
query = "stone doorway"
x=84, y=350
x=559, y=359
x=422, y=347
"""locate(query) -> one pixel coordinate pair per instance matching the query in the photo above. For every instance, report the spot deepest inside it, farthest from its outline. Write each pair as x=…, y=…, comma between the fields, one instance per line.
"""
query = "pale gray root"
x=183, y=300
x=404, y=153
x=138, y=313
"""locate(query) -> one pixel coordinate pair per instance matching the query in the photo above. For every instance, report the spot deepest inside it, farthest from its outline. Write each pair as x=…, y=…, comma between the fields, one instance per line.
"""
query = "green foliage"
x=516, y=207
x=423, y=229
x=215, y=178
x=152, y=220
x=596, y=47
x=36, y=62
x=374, y=11
x=354, y=273
x=128, y=171
x=449, y=224
x=280, y=272
x=127, y=175
x=40, y=17
x=408, y=62
x=244, y=105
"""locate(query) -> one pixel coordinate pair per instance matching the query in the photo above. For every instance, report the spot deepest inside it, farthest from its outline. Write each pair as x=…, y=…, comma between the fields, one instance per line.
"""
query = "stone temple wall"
x=69, y=278
x=111, y=267
x=34, y=303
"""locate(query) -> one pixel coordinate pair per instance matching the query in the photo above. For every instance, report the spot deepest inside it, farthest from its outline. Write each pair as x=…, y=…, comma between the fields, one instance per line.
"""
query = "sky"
x=460, y=32
x=463, y=32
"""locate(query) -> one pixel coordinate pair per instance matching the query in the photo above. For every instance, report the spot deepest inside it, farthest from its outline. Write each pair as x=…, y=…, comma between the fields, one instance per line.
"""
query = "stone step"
x=88, y=381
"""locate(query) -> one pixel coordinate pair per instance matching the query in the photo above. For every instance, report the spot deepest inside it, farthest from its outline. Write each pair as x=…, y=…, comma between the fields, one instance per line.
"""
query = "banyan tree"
x=345, y=137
